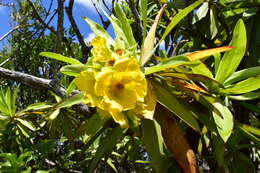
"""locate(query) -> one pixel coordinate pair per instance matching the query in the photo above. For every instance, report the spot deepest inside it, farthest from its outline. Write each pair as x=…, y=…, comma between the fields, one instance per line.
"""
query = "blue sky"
x=81, y=8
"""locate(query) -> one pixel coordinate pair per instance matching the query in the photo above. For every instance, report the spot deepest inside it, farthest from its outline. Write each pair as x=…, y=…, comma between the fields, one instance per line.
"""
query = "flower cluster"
x=116, y=84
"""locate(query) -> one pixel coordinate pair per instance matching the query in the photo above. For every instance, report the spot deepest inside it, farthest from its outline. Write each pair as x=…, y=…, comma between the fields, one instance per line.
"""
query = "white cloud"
x=86, y=3
x=89, y=5
x=89, y=37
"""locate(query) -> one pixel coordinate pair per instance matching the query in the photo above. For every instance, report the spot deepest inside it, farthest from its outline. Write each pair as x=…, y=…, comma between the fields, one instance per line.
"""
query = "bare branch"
x=134, y=10
x=38, y=17
x=104, y=23
x=44, y=84
x=10, y=32
x=84, y=48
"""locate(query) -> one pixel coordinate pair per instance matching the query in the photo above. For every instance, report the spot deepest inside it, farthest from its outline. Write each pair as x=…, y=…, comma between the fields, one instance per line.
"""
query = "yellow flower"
x=100, y=51
x=122, y=88
x=119, y=85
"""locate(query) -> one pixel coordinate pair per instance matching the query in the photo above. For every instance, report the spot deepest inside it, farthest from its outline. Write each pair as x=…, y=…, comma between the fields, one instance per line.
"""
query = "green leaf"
x=54, y=114
x=111, y=164
x=232, y=59
x=213, y=23
x=42, y=171
x=14, y=97
x=143, y=12
x=247, y=96
x=99, y=30
x=201, y=12
x=219, y=151
x=76, y=99
x=111, y=139
x=60, y=57
x=244, y=86
x=250, y=132
x=148, y=45
x=8, y=99
x=198, y=67
x=251, y=107
x=224, y=121
x=153, y=142
x=167, y=64
x=210, y=83
x=178, y=17
x=95, y=123
x=27, y=124
x=241, y=75
x=168, y=100
x=3, y=105
x=72, y=86
x=73, y=70
x=125, y=25
x=37, y=106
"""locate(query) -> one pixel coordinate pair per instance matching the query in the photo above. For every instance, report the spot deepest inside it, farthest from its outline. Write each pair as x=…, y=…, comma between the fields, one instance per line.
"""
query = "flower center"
x=111, y=62
x=120, y=86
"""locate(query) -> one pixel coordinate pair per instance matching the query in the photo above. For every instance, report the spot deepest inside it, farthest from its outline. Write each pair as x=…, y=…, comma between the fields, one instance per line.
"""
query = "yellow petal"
x=98, y=41
x=85, y=81
x=102, y=81
x=127, y=64
x=119, y=118
x=146, y=109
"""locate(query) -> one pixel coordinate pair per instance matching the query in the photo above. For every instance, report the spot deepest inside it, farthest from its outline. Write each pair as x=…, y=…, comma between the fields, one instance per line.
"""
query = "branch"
x=137, y=19
x=44, y=84
x=38, y=17
x=84, y=48
x=104, y=23
x=10, y=32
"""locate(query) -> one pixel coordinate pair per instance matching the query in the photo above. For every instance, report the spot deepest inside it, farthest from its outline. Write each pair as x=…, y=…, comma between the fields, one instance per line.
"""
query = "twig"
x=137, y=19
x=10, y=32
x=38, y=17
x=104, y=23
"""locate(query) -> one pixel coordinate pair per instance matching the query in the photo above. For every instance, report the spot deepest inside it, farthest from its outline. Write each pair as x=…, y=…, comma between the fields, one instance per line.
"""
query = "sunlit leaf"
x=76, y=99
x=167, y=64
x=60, y=57
x=125, y=25
x=99, y=30
x=168, y=100
x=201, y=12
x=246, y=96
x=38, y=106
x=148, y=45
x=244, y=86
x=73, y=70
x=206, y=53
x=224, y=122
x=198, y=67
x=242, y=74
x=232, y=58
x=27, y=124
